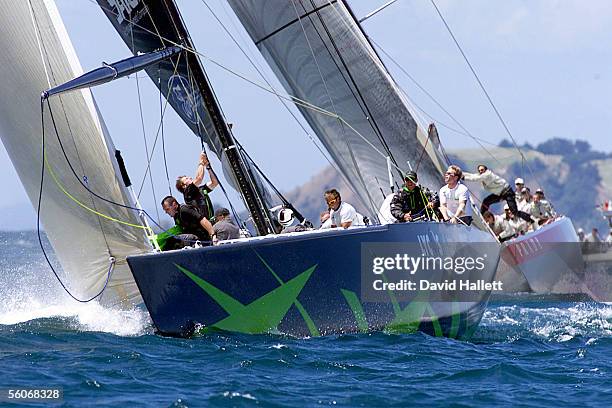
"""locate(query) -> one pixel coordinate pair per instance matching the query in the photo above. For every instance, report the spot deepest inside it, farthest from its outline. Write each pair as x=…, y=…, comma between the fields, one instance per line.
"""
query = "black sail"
x=149, y=25
x=321, y=56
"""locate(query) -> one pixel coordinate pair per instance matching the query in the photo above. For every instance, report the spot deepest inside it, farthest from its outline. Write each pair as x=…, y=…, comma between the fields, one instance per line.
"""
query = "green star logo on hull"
x=260, y=316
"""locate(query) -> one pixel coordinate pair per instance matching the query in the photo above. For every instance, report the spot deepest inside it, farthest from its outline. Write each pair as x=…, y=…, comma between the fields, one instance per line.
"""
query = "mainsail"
x=85, y=232
x=149, y=25
x=321, y=56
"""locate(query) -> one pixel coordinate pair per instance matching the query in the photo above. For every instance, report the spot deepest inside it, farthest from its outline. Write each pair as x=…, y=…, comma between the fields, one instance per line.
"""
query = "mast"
x=248, y=188
x=149, y=25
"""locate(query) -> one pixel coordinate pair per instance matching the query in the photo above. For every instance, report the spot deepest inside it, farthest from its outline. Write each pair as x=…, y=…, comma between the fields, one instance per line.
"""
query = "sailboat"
x=302, y=284
x=547, y=261
x=90, y=237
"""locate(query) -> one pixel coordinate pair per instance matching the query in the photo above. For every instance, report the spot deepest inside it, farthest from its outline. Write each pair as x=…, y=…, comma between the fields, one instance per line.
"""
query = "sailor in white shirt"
x=499, y=189
x=541, y=209
x=455, y=203
x=525, y=203
x=505, y=226
x=517, y=226
x=341, y=214
x=495, y=221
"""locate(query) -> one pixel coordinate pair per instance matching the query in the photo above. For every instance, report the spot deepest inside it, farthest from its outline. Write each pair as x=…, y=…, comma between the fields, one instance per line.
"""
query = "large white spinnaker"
x=85, y=231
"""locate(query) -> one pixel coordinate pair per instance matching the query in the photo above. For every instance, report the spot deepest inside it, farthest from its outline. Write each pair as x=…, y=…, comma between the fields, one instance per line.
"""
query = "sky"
x=545, y=64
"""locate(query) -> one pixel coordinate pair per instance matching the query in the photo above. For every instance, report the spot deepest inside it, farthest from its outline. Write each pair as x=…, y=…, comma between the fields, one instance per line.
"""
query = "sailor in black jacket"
x=412, y=202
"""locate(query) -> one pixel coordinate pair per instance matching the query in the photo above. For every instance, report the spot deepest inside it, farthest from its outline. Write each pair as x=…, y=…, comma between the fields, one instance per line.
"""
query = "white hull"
x=546, y=261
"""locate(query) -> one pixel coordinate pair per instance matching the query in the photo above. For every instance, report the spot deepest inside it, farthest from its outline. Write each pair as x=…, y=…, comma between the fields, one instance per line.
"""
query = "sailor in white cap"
x=519, y=185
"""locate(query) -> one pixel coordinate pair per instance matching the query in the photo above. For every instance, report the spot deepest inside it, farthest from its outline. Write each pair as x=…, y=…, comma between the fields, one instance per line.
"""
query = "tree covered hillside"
x=571, y=174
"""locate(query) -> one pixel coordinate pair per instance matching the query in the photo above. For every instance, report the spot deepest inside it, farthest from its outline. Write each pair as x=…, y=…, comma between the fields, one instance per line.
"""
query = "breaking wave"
x=548, y=322
x=30, y=294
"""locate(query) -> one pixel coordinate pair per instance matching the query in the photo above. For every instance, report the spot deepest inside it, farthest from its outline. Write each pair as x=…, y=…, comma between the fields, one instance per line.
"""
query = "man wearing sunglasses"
x=341, y=213
x=455, y=202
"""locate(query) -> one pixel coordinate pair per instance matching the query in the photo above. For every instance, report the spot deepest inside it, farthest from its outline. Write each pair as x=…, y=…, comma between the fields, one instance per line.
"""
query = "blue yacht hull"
x=301, y=284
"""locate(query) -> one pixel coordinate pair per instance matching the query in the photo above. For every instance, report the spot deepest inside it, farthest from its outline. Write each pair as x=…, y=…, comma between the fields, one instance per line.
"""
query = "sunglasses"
x=448, y=173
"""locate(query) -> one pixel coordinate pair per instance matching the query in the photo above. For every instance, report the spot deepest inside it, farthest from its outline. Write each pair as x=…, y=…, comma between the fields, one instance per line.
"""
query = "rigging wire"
x=435, y=101
x=44, y=58
x=482, y=87
x=293, y=99
x=373, y=207
x=61, y=145
x=38, y=232
x=144, y=133
x=218, y=151
x=144, y=137
x=148, y=169
x=332, y=164
x=281, y=100
x=161, y=116
x=94, y=193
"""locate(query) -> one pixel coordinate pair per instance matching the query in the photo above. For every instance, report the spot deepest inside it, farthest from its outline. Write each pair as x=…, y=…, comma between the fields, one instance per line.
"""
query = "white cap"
x=519, y=181
x=580, y=231
x=285, y=217
x=506, y=207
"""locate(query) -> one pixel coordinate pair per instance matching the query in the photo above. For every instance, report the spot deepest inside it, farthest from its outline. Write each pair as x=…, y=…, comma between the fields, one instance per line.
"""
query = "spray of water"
x=28, y=291
x=552, y=322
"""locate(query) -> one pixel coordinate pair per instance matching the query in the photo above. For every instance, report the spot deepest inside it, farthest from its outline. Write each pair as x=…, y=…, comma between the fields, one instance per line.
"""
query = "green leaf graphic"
x=260, y=316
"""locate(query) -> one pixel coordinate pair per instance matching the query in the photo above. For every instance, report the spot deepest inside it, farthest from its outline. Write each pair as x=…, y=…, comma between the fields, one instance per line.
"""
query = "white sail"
x=320, y=54
x=85, y=231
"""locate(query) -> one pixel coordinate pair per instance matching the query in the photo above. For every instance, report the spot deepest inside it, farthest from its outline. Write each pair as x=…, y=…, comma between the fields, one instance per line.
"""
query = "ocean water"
x=525, y=354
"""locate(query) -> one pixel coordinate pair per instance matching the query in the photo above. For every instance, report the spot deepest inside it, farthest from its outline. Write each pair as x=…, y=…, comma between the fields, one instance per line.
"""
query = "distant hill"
x=572, y=175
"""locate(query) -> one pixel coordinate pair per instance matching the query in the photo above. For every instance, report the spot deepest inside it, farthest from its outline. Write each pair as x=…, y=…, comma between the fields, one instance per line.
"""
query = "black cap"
x=412, y=176
x=222, y=212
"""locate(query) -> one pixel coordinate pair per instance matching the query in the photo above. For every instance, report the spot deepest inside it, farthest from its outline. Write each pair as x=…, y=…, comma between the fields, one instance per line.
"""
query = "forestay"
x=321, y=56
x=37, y=54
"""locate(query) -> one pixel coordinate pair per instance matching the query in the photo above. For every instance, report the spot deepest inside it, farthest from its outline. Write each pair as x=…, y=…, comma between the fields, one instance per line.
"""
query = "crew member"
x=224, y=228
x=194, y=192
x=499, y=189
x=541, y=209
x=455, y=202
x=412, y=202
x=191, y=221
x=341, y=213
